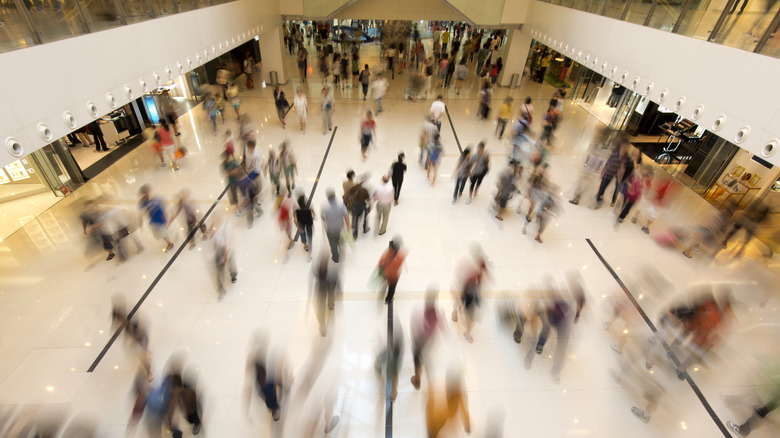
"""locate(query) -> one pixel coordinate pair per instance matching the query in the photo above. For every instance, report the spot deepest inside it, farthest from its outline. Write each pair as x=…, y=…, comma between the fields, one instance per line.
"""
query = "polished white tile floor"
x=54, y=310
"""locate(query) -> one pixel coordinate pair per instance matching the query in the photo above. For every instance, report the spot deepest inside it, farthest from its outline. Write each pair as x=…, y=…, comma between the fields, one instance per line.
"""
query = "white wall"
x=39, y=84
x=291, y=7
x=515, y=11
x=723, y=82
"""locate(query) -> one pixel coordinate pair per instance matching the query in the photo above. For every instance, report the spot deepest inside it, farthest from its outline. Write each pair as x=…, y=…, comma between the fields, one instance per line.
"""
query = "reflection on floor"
x=56, y=309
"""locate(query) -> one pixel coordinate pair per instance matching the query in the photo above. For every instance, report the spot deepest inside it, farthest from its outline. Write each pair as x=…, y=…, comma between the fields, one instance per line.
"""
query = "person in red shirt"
x=389, y=266
x=367, y=133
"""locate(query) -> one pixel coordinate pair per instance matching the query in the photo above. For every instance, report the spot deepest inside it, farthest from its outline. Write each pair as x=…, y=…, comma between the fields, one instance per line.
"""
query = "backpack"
x=364, y=77
x=159, y=397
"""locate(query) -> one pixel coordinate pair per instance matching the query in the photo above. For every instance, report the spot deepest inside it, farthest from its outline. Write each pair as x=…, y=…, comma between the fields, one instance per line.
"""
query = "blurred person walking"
x=304, y=221
x=184, y=204
x=301, y=106
x=367, y=133
x=423, y=328
x=326, y=284
x=360, y=200
x=383, y=196
x=364, y=80
x=426, y=139
x=437, y=112
x=504, y=115
x=461, y=174
x=289, y=166
x=434, y=157
x=378, y=90
x=281, y=103
x=261, y=377
x=506, y=187
x=613, y=169
x=224, y=257
x=440, y=407
x=235, y=174
x=397, y=171
x=328, y=108
x=554, y=315
x=389, y=267
x=153, y=207
x=480, y=164
x=335, y=219
x=470, y=298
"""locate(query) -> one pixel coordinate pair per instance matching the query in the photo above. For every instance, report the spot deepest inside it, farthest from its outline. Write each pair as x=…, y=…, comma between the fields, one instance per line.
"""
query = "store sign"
x=17, y=171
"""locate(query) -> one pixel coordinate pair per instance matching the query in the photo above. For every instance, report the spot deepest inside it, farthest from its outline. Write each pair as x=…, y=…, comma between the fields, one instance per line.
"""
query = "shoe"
x=291, y=245
x=539, y=349
x=335, y=260
x=366, y=230
x=617, y=348
x=163, y=164
x=646, y=230
x=395, y=203
x=612, y=205
x=388, y=300
x=196, y=428
x=734, y=428
x=469, y=338
x=633, y=220
x=642, y=415
x=110, y=256
x=620, y=220
x=598, y=205
x=680, y=374
x=415, y=382
x=606, y=325
x=334, y=421
x=614, y=374
x=468, y=201
x=381, y=233
x=233, y=279
x=455, y=315
x=574, y=201
x=168, y=248
x=453, y=202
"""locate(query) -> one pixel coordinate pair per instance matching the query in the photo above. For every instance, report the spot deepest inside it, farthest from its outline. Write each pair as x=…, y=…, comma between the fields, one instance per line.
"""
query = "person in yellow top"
x=445, y=39
x=504, y=114
x=440, y=408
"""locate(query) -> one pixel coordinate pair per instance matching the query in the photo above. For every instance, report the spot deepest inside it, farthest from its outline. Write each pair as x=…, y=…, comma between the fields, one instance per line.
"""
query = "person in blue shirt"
x=154, y=209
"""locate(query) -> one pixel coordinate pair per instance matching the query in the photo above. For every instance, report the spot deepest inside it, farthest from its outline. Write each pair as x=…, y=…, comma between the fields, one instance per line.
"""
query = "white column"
x=514, y=56
x=272, y=51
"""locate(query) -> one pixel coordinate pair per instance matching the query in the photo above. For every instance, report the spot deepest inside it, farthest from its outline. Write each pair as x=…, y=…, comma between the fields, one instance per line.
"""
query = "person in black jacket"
x=97, y=135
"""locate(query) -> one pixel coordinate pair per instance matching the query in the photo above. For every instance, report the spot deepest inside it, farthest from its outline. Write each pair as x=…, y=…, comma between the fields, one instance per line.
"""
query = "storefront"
x=609, y=102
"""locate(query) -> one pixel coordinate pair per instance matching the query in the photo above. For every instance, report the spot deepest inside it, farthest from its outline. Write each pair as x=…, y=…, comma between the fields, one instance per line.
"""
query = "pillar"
x=515, y=56
x=272, y=52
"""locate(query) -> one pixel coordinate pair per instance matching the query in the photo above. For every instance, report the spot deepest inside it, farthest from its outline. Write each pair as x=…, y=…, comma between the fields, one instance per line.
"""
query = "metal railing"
x=743, y=24
x=25, y=23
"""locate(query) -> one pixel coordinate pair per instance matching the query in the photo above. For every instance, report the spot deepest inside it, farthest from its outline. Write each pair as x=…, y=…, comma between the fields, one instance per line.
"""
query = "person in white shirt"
x=437, y=111
x=378, y=90
x=328, y=109
x=383, y=195
x=223, y=254
x=301, y=106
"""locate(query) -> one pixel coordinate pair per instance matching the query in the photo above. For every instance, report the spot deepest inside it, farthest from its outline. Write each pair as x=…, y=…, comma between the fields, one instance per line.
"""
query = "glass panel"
x=666, y=14
x=615, y=8
x=580, y=5
x=101, y=14
x=136, y=10
x=701, y=18
x=637, y=12
x=772, y=46
x=56, y=19
x=14, y=33
x=743, y=31
x=595, y=6
x=164, y=7
x=186, y=5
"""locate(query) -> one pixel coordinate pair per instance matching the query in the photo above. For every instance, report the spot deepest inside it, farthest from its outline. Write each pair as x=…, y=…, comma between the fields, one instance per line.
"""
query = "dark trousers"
x=605, y=180
x=397, y=188
x=306, y=233
x=500, y=127
x=357, y=212
x=626, y=208
x=476, y=181
x=100, y=143
x=333, y=241
x=391, y=290
x=460, y=184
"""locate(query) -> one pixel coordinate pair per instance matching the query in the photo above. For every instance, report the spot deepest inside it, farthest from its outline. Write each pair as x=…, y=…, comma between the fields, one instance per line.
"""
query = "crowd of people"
x=690, y=330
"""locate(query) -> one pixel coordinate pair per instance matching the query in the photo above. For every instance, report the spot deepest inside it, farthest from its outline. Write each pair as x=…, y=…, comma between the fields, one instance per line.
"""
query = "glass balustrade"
x=24, y=23
x=741, y=24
